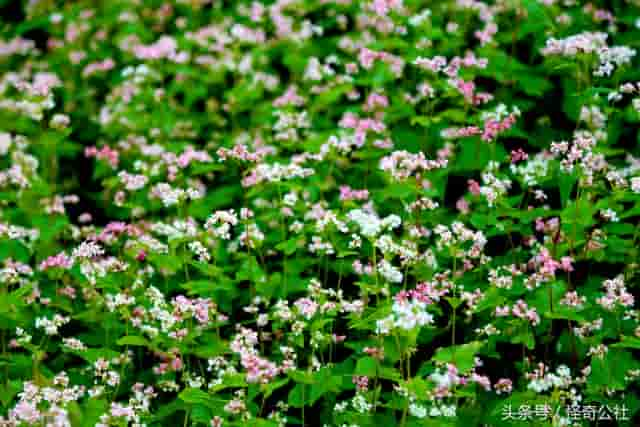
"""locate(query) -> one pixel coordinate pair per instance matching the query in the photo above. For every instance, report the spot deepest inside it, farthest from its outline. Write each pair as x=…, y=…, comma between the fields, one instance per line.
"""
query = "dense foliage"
x=319, y=212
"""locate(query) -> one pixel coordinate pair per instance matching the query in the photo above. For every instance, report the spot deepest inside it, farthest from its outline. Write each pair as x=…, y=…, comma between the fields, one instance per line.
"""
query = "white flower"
x=369, y=224
x=341, y=406
x=389, y=272
x=407, y=315
x=609, y=214
x=448, y=411
x=360, y=404
x=88, y=250
x=418, y=411
x=5, y=143
x=51, y=326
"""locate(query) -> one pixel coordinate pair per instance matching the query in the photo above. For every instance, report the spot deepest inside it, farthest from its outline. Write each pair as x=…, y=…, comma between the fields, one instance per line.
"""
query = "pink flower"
x=141, y=256
x=502, y=311
x=565, y=263
x=518, y=155
x=57, y=261
x=462, y=205
x=176, y=364
x=474, y=187
x=361, y=382
x=504, y=385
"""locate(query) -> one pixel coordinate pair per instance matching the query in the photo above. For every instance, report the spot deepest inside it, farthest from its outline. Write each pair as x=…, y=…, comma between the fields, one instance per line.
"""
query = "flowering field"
x=319, y=213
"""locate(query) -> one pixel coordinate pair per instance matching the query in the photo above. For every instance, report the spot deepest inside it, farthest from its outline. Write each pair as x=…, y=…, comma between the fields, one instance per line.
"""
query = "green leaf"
x=269, y=388
x=288, y=246
x=196, y=396
x=627, y=342
x=609, y=372
x=366, y=366
x=460, y=355
x=8, y=391
x=566, y=182
x=133, y=340
x=92, y=412
x=207, y=287
x=297, y=395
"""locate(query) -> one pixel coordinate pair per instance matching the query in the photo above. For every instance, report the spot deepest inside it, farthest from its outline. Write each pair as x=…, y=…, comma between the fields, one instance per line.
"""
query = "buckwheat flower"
x=275, y=173
x=587, y=42
x=614, y=96
x=290, y=199
x=361, y=383
x=132, y=182
x=318, y=245
x=376, y=101
x=360, y=404
x=347, y=193
x=5, y=143
x=16, y=46
x=635, y=184
x=87, y=250
x=565, y=263
x=417, y=411
x=60, y=260
x=435, y=412
x=572, y=299
x=518, y=155
x=258, y=370
x=22, y=337
x=220, y=223
x=370, y=225
x=340, y=407
x=502, y=311
x=504, y=385
x=446, y=378
x=290, y=97
x=616, y=293
x=493, y=127
x=168, y=195
x=384, y=326
x=74, y=344
x=366, y=58
x=486, y=35
x=610, y=56
x=616, y=179
x=105, y=153
x=609, y=214
x=435, y=64
x=448, y=411
x=306, y=307
x=51, y=326
x=598, y=351
x=355, y=242
x=313, y=70
x=593, y=116
x=25, y=412
x=481, y=380
x=60, y=121
x=522, y=310
x=389, y=272
x=201, y=252
x=406, y=314
x=391, y=221
x=383, y=7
